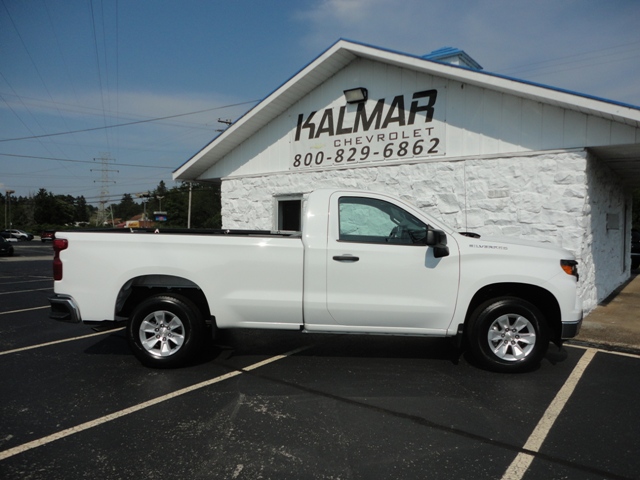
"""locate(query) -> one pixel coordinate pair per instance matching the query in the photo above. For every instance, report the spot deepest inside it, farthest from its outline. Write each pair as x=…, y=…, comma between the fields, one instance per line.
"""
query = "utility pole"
x=145, y=198
x=7, y=202
x=189, y=211
x=226, y=122
x=104, y=185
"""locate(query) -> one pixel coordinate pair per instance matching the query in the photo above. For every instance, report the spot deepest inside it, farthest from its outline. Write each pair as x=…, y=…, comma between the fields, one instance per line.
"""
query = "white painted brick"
x=511, y=231
x=525, y=216
x=543, y=197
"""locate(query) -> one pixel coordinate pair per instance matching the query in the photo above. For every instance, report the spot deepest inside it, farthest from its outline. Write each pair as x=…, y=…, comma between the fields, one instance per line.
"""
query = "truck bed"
x=192, y=231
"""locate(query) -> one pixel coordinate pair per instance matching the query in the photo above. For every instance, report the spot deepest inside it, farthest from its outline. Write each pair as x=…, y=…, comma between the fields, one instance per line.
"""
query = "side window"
x=368, y=220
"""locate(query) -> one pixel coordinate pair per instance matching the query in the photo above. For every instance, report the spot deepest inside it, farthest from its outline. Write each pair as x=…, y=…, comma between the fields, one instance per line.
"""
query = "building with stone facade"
x=483, y=152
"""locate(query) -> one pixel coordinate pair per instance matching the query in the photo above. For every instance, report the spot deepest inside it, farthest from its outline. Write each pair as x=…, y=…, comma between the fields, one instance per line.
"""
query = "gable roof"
x=343, y=52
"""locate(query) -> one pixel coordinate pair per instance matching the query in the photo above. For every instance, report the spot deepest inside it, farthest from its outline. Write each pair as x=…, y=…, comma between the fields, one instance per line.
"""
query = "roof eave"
x=344, y=52
x=276, y=102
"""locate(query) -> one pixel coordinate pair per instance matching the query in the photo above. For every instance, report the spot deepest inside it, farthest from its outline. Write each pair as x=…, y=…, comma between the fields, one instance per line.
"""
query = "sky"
x=104, y=97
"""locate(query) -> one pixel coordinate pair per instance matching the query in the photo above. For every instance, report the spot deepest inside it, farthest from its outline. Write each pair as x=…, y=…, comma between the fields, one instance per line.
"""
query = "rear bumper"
x=64, y=309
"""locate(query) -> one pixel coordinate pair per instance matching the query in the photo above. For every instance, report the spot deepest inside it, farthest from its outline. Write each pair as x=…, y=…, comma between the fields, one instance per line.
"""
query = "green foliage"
x=205, y=205
x=46, y=211
x=127, y=208
x=82, y=210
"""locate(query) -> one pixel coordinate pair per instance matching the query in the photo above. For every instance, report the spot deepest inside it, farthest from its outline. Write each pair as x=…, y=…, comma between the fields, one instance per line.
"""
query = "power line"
x=127, y=123
x=104, y=186
x=95, y=44
x=80, y=161
x=26, y=49
x=565, y=61
x=85, y=110
x=28, y=111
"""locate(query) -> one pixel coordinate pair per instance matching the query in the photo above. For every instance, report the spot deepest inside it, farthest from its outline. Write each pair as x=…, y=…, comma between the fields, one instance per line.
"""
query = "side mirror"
x=438, y=240
x=435, y=237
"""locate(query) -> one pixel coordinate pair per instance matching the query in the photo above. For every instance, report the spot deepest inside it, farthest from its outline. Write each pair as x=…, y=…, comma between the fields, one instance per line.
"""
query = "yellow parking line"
x=27, y=291
x=7, y=352
x=521, y=463
x=23, y=310
x=135, y=408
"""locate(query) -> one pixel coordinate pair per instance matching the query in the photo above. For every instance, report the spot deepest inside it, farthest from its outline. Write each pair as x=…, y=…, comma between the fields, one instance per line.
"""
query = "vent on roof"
x=454, y=56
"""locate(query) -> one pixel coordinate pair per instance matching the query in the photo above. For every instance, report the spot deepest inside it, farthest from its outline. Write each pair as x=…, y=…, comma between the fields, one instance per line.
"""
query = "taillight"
x=570, y=267
x=59, y=244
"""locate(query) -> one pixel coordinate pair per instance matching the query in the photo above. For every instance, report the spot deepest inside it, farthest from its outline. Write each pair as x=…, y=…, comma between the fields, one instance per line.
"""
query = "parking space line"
x=24, y=310
x=604, y=350
x=55, y=342
x=43, y=279
x=141, y=406
x=521, y=463
x=27, y=291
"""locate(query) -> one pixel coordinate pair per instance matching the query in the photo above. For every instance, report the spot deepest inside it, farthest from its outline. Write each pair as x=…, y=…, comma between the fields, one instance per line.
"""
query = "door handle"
x=346, y=258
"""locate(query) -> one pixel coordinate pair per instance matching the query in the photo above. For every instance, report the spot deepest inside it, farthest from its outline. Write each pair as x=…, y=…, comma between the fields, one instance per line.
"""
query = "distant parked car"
x=6, y=234
x=19, y=235
x=47, y=235
x=5, y=247
x=635, y=249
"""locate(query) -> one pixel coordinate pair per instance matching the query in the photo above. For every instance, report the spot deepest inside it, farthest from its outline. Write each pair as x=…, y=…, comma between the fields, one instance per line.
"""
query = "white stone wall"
x=603, y=267
x=543, y=197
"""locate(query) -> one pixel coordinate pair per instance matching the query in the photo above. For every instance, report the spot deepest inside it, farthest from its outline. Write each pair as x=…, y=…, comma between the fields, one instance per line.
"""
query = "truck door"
x=380, y=275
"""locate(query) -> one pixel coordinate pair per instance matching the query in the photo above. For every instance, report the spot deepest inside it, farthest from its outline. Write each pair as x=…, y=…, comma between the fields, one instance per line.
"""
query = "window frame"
x=279, y=201
x=374, y=239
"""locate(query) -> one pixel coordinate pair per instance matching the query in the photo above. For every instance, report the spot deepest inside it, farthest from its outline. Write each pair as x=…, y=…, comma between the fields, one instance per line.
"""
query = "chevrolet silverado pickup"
x=364, y=263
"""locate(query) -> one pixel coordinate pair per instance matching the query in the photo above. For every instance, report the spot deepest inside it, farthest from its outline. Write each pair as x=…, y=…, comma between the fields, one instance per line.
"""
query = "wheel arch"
x=541, y=298
x=139, y=288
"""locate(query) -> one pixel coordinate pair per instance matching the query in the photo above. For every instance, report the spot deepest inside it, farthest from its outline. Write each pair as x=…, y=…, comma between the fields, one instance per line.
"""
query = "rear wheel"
x=508, y=334
x=166, y=331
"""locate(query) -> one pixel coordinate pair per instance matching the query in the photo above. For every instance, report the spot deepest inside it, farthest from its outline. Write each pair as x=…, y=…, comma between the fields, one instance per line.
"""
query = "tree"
x=64, y=210
x=175, y=204
x=47, y=209
x=205, y=208
x=127, y=208
x=205, y=205
x=44, y=207
x=82, y=213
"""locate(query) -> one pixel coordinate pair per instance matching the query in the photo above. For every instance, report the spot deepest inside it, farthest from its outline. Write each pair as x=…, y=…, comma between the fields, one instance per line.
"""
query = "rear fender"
x=139, y=288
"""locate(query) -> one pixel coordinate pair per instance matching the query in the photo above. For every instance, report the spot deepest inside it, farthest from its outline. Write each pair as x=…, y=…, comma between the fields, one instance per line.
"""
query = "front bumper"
x=64, y=309
x=571, y=329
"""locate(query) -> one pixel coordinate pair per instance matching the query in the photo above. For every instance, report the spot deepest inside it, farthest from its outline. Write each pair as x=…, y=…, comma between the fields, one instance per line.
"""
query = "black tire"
x=166, y=331
x=508, y=334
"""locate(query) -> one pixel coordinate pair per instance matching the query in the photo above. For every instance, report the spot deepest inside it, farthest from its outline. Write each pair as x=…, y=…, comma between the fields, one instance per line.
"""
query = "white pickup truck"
x=364, y=263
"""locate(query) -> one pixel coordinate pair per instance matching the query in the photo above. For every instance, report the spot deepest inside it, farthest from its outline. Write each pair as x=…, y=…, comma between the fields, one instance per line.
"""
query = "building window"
x=289, y=214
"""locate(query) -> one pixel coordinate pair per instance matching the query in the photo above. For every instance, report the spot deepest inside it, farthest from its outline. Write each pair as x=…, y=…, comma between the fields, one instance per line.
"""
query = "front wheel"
x=508, y=335
x=166, y=331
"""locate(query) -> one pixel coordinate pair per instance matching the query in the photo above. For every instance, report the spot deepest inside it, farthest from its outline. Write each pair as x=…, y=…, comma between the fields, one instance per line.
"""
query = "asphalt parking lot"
x=76, y=404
